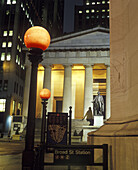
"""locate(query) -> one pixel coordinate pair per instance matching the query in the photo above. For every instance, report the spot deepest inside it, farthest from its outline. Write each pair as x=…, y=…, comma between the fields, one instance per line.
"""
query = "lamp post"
x=37, y=40
x=44, y=95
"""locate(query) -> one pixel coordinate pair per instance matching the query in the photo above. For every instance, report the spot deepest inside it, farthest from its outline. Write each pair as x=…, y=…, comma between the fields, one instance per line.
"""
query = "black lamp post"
x=37, y=39
x=44, y=95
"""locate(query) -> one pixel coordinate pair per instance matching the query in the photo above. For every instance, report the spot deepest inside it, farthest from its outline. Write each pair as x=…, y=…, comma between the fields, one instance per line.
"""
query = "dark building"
x=91, y=14
x=16, y=17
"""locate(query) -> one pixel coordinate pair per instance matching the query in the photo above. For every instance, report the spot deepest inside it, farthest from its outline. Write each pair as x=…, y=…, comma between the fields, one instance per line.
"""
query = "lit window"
x=11, y=33
x=7, y=12
x=13, y=107
x=13, y=1
x=8, y=58
x=103, y=10
x=27, y=15
x=93, y=3
x=5, y=33
x=92, y=16
x=87, y=11
x=98, y=3
x=9, y=44
x=108, y=2
x=2, y=105
x=103, y=16
x=23, y=9
x=97, y=11
x=22, y=5
x=108, y=10
x=87, y=17
x=87, y=3
x=18, y=61
x=103, y=2
x=8, y=1
x=3, y=44
x=108, y=16
x=2, y=56
x=97, y=16
x=92, y=10
x=18, y=47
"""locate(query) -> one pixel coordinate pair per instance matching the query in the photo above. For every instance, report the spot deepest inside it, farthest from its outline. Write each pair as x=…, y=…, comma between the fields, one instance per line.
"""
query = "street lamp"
x=44, y=95
x=37, y=40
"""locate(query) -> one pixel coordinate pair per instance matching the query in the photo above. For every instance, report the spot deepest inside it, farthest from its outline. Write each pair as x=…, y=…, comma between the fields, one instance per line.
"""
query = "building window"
x=16, y=59
x=5, y=33
x=8, y=58
x=0, y=85
x=9, y=44
x=2, y=56
x=5, y=86
x=19, y=61
x=87, y=17
x=92, y=10
x=13, y=107
x=11, y=33
x=93, y=3
x=8, y=1
x=2, y=105
x=87, y=11
x=7, y=12
x=87, y=3
x=98, y=3
x=103, y=2
x=13, y=1
x=103, y=10
x=80, y=12
x=97, y=11
x=3, y=44
x=103, y=16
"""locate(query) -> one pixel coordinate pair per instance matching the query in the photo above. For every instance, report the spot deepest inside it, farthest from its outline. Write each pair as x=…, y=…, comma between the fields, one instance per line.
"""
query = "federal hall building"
x=74, y=68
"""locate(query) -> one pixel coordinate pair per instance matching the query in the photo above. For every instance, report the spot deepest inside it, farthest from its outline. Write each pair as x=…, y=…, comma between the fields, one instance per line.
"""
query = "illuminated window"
x=98, y=3
x=87, y=11
x=103, y=2
x=80, y=12
x=97, y=16
x=18, y=47
x=13, y=107
x=11, y=33
x=108, y=10
x=5, y=33
x=8, y=58
x=16, y=59
x=19, y=61
x=9, y=44
x=2, y=105
x=3, y=44
x=2, y=56
x=108, y=2
x=97, y=11
x=93, y=3
x=13, y=1
x=92, y=10
x=103, y=16
x=8, y=1
x=103, y=10
x=92, y=16
x=108, y=16
x=7, y=12
x=5, y=86
x=87, y=3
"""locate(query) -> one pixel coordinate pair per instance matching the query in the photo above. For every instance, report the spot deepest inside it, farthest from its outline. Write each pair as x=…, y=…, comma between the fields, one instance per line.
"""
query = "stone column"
x=88, y=88
x=107, y=92
x=67, y=90
x=26, y=90
x=47, y=84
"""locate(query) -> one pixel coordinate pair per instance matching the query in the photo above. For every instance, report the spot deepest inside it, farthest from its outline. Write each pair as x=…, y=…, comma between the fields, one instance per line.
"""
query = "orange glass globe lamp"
x=45, y=94
x=37, y=37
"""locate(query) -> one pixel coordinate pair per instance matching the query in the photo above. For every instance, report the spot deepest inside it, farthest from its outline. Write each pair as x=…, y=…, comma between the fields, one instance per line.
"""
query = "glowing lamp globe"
x=37, y=37
x=45, y=94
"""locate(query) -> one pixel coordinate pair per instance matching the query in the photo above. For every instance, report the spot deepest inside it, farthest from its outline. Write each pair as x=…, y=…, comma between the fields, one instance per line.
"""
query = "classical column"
x=88, y=88
x=108, y=92
x=26, y=90
x=47, y=84
x=67, y=90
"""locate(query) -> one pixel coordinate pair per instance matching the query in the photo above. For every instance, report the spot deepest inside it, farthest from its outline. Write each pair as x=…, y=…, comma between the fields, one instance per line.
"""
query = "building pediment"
x=93, y=39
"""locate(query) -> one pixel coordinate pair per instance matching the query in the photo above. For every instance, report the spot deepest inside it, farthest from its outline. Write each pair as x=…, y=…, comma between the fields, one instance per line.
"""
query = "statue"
x=89, y=116
x=98, y=104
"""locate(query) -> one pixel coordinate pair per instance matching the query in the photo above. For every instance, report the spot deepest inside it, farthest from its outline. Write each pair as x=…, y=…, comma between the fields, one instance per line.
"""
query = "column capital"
x=67, y=65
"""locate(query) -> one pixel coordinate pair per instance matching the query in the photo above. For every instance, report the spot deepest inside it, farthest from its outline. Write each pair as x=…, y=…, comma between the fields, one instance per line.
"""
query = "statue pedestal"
x=98, y=121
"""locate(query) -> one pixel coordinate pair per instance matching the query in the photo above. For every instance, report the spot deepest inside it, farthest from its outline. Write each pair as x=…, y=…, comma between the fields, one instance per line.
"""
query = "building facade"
x=74, y=69
x=15, y=18
x=91, y=14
